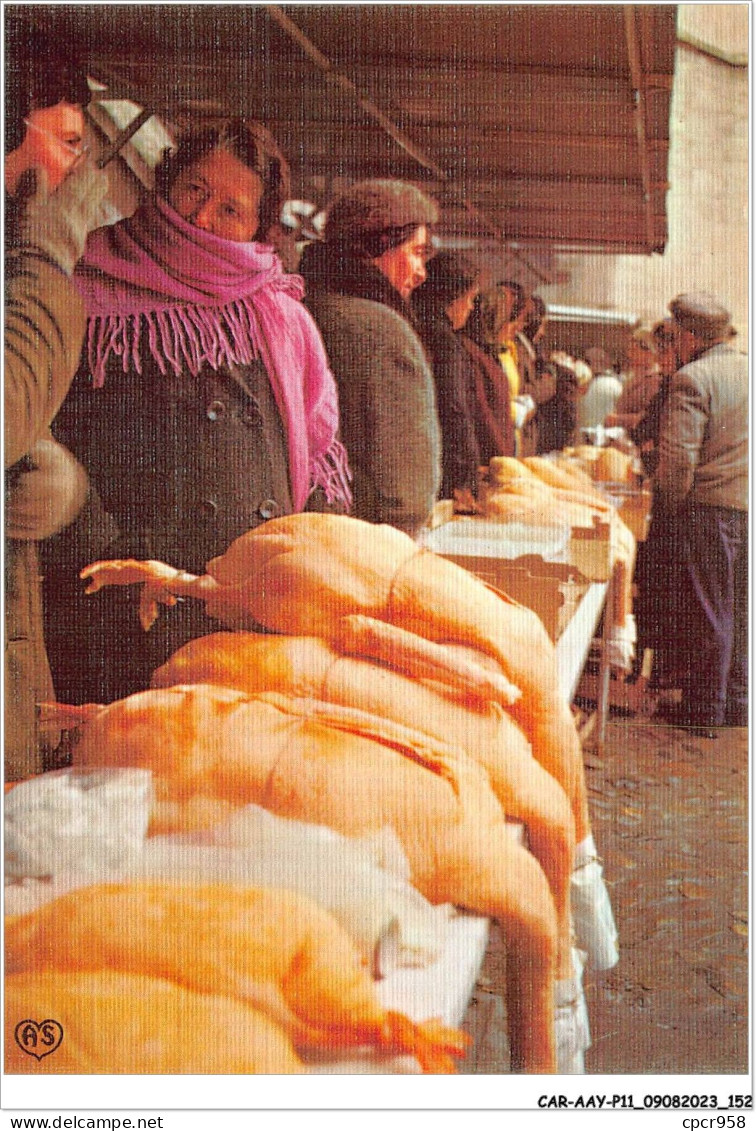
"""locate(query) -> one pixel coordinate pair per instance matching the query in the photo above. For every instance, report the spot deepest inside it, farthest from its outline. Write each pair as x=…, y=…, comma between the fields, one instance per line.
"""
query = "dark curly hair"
x=536, y=317
x=39, y=72
x=250, y=143
x=520, y=295
x=490, y=314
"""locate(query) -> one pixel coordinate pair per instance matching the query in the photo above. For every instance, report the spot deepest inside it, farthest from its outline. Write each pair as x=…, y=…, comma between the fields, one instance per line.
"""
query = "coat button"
x=215, y=410
x=209, y=507
x=269, y=508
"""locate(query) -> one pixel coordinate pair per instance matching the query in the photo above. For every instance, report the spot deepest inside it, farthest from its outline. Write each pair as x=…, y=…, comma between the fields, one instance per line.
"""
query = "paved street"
x=671, y=819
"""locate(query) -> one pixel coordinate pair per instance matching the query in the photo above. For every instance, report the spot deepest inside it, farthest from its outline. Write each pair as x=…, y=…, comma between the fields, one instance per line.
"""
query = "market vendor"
x=204, y=404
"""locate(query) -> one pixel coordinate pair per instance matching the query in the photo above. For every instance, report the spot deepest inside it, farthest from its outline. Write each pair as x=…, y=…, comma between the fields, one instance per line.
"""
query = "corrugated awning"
x=535, y=124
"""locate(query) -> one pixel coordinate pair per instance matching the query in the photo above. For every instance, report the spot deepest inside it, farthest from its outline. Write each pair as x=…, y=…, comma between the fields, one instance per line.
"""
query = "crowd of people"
x=169, y=386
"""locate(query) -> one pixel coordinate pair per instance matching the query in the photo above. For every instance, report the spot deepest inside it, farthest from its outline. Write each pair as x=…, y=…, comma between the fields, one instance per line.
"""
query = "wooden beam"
x=567, y=217
x=345, y=84
x=596, y=244
x=486, y=80
x=533, y=186
x=639, y=90
x=446, y=139
x=456, y=137
x=656, y=82
x=619, y=205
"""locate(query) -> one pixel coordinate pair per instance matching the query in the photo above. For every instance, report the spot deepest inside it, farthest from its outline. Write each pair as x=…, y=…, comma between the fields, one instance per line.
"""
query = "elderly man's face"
x=683, y=345
x=54, y=140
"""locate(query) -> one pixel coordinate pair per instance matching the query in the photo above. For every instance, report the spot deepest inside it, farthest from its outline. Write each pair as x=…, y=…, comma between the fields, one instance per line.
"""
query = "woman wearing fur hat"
x=358, y=283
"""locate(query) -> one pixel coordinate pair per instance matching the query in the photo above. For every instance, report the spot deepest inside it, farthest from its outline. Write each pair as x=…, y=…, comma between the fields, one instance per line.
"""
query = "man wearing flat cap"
x=702, y=479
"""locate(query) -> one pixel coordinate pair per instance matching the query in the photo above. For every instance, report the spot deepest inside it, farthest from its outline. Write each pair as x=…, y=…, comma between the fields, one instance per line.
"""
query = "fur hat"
x=701, y=314
x=372, y=216
x=449, y=275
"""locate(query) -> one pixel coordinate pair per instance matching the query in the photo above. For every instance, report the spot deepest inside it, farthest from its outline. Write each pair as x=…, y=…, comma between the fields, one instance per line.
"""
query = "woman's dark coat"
x=387, y=402
x=183, y=465
x=492, y=415
x=454, y=378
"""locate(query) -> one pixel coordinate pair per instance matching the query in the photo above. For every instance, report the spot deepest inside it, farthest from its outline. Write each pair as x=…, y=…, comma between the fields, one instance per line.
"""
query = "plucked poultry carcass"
x=114, y=1023
x=439, y=706
x=534, y=473
x=66, y=828
x=301, y=575
x=273, y=950
x=604, y=465
x=357, y=774
x=539, y=491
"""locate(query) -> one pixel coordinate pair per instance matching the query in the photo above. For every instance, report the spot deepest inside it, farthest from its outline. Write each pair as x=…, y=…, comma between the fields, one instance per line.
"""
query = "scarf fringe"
x=178, y=338
x=187, y=338
x=157, y=287
x=331, y=472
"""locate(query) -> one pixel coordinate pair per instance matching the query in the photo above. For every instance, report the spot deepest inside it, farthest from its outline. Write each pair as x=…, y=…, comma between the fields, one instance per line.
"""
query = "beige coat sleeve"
x=681, y=438
x=44, y=332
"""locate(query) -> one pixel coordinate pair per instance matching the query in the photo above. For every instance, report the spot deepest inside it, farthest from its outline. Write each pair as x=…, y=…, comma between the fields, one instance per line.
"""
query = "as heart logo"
x=38, y=1038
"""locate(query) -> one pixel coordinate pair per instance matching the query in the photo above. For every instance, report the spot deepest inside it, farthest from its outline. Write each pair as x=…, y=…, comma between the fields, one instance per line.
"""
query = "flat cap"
x=702, y=314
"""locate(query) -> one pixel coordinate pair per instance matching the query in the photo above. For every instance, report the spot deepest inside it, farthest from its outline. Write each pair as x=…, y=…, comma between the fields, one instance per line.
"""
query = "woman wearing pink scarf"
x=204, y=404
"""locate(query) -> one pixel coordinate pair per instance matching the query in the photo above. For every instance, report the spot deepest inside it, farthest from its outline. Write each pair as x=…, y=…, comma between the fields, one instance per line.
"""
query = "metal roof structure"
x=536, y=125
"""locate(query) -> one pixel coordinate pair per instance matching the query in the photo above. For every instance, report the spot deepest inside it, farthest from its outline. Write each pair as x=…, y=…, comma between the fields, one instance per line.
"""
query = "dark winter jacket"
x=389, y=420
x=492, y=415
x=183, y=465
x=454, y=378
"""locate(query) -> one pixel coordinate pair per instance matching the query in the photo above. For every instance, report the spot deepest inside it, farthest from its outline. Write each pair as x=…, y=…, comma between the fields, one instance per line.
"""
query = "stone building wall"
x=707, y=202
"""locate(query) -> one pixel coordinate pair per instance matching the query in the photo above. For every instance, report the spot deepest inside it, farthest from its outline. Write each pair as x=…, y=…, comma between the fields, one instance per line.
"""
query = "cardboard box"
x=635, y=511
x=590, y=550
x=552, y=589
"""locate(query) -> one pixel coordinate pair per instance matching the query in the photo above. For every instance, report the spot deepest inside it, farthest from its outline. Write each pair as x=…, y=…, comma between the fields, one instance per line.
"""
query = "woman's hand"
x=57, y=223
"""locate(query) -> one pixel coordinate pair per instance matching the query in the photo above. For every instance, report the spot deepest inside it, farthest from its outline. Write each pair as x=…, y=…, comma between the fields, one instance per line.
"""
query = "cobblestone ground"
x=671, y=821
x=670, y=818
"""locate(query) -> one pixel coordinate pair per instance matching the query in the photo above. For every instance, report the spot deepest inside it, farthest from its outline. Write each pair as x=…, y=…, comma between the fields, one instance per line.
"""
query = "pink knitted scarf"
x=154, y=282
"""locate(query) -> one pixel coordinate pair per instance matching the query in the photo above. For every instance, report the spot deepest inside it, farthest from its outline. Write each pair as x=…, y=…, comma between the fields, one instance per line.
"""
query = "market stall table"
x=564, y=575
